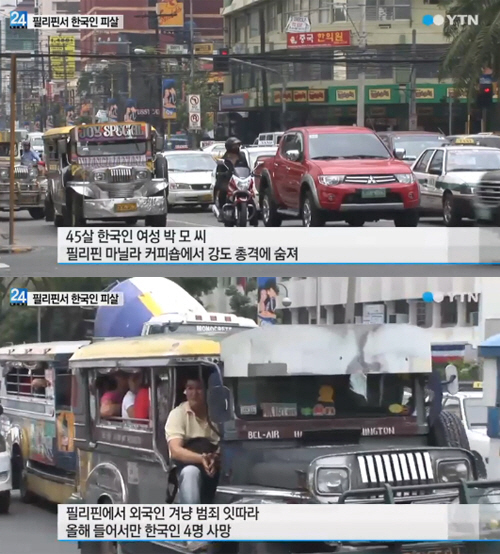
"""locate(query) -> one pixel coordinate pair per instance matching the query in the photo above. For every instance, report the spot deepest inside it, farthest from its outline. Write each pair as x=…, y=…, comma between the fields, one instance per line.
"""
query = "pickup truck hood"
x=360, y=167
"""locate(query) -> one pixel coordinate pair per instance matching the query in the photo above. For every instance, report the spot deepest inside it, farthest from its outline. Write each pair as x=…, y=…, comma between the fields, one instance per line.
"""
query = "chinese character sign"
x=169, y=103
x=318, y=40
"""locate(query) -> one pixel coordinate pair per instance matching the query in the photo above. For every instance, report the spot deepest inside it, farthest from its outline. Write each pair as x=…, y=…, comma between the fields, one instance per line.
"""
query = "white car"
x=216, y=149
x=36, y=142
x=5, y=475
x=469, y=407
x=190, y=177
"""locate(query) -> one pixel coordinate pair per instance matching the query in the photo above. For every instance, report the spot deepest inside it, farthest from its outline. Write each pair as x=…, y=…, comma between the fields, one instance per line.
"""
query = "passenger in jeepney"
x=134, y=384
x=39, y=383
x=142, y=403
x=111, y=400
x=193, y=444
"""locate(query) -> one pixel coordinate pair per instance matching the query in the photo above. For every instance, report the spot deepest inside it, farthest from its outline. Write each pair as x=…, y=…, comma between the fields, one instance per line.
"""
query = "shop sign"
x=277, y=96
x=300, y=96
x=234, y=101
x=379, y=94
x=424, y=94
x=317, y=96
x=346, y=95
x=318, y=40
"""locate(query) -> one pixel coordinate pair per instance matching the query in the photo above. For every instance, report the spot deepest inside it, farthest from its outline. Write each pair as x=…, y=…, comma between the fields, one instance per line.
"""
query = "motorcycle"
x=241, y=206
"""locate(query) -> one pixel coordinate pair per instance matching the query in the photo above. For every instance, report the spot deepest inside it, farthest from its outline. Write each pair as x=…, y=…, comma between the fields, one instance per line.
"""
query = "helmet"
x=231, y=142
x=26, y=143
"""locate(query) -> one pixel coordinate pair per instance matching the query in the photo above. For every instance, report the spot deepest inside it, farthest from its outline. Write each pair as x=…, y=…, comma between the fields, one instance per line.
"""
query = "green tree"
x=472, y=47
x=242, y=304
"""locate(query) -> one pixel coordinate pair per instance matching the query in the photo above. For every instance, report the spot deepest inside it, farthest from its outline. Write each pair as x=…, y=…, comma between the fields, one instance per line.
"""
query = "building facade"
x=325, y=68
x=382, y=300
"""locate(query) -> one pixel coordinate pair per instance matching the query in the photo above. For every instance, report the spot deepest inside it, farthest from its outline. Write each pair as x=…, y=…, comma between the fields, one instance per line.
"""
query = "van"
x=268, y=139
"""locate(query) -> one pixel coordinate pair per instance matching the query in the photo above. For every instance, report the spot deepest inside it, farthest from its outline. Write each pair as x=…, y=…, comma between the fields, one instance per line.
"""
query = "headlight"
x=332, y=480
x=4, y=174
x=99, y=176
x=242, y=185
x=142, y=175
x=179, y=186
x=453, y=471
x=33, y=172
x=329, y=180
x=406, y=178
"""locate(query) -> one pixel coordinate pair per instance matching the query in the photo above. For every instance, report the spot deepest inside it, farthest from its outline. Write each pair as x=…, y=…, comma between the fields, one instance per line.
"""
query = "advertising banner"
x=171, y=13
x=266, y=301
x=318, y=40
x=63, y=67
x=169, y=105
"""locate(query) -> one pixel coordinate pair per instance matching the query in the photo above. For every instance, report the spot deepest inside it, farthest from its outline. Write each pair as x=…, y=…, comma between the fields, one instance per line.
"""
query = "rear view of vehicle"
x=410, y=144
x=241, y=207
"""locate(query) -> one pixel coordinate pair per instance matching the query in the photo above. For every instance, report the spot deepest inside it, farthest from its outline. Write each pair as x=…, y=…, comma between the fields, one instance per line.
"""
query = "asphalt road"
x=31, y=528
x=42, y=237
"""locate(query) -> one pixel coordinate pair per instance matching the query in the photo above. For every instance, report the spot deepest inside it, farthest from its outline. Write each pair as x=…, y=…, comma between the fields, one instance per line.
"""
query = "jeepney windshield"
x=324, y=396
x=117, y=148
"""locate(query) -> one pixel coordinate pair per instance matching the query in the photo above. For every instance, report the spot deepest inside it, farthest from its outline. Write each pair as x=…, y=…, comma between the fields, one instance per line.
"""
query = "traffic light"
x=221, y=61
x=485, y=96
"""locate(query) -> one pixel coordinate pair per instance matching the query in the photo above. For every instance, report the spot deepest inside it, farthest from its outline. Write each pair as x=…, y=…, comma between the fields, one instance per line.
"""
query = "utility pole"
x=65, y=60
x=413, y=118
x=265, y=84
x=191, y=61
x=12, y=179
x=158, y=70
x=451, y=97
x=361, y=69
x=351, y=301
x=44, y=95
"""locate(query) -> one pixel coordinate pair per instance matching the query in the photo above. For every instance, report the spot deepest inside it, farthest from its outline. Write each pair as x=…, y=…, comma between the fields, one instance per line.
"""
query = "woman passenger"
x=111, y=400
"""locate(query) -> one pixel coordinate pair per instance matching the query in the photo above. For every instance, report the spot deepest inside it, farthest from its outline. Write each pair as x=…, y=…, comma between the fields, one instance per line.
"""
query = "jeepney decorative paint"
x=42, y=435
x=94, y=162
x=117, y=131
x=65, y=432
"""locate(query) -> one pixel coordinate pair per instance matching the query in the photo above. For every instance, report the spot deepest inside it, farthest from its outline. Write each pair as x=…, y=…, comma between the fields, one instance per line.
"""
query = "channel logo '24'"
x=18, y=20
x=18, y=297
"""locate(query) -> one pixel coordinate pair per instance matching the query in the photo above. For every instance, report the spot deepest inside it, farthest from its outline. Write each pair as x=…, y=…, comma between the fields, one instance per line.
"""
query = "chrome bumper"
x=176, y=197
x=109, y=208
x=24, y=199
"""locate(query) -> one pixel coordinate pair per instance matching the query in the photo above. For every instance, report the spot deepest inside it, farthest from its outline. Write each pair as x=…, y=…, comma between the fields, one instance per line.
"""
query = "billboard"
x=266, y=301
x=169, y=103
x=171, y=13
x=62, y=68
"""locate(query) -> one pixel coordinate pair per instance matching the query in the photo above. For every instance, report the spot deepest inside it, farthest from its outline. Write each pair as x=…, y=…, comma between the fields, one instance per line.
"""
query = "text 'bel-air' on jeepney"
x=30, y=183
x=37, y=425
x=106, y=172
x=305, y=414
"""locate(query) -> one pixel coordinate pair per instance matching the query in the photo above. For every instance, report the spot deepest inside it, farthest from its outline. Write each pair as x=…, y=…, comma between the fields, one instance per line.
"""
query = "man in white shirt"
x=134, y=383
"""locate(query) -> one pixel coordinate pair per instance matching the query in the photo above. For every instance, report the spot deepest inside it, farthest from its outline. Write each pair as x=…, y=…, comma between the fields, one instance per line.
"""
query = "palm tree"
x=473, y=47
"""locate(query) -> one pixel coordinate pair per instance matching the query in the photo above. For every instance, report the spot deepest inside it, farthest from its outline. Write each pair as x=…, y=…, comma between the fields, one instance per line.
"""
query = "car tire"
x=25, y=495
x=311, y=214
x=448, y=430
x=156, y=220
x=451, y=218
x=4, y=502
x=482, y=473
x=49, y=209
x=356, y=221
x=131, y=221
x=270, y=215
x=76, y=211
x=408, y=218
x=37, y=213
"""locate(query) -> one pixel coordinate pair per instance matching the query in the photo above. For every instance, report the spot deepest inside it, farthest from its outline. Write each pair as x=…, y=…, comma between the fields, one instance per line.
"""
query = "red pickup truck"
x=322, y=174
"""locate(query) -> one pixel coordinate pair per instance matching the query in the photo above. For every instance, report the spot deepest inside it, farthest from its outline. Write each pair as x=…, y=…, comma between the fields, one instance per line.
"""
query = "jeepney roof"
x=327, y=350
x=19, y=135
x=39, y=351
x=58, y=131
x=152, y=349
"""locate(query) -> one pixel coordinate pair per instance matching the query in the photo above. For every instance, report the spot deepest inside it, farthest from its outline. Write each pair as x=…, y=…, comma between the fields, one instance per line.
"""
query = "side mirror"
x=160, y=143
x=62, y=146
x=219, y=404
x=293, y=155
x=399, y=153
x=451, y=379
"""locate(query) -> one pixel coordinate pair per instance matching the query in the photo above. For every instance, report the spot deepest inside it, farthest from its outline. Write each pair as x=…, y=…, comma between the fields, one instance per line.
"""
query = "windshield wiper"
x=365, y=157
x=327, y=158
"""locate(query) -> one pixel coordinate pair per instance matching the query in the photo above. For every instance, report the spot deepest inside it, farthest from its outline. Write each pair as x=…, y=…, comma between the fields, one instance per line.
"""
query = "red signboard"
x=319, y=39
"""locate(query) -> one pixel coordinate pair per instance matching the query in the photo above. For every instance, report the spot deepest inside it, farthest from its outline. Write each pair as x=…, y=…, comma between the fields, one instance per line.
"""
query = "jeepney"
x=37, y=424
x=307, y=414
x=107, y=171
x=29, y=182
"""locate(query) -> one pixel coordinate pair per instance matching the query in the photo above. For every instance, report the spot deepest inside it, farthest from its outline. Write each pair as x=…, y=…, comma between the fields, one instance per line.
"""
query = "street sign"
x=194, y=103
x=176, y=49
x=204, y=49
x=195, y=121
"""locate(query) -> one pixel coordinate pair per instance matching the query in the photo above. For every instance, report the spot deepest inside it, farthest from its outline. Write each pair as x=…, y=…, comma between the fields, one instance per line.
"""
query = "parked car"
x=337, y=173
x=481, y=139
x=412, y=142
x=268, y=139
x=448, y=177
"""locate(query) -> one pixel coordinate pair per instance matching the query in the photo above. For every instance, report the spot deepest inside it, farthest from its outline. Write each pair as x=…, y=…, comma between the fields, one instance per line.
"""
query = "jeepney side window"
x=21, y=380
x=64, y=383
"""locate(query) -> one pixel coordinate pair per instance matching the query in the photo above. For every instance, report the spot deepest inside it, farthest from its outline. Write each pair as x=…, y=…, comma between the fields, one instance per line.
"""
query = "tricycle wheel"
x=156, y=220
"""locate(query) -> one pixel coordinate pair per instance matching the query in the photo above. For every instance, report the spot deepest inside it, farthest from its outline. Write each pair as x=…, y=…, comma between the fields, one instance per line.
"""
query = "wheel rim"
x=306, y=216
x=447, y=210
x=265, y=209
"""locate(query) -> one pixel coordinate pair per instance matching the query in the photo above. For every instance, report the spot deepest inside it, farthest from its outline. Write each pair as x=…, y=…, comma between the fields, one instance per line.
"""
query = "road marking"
x=4, y=266
x=190, y=223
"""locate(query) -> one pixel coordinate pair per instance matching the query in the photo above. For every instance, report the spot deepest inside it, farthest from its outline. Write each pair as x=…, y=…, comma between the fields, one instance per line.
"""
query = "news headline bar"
x=23, y=297
x=283, y=246
x=270, y=522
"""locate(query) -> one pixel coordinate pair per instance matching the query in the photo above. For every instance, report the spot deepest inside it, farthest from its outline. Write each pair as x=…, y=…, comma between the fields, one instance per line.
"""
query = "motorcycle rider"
x=29, y=157
x=235, y=158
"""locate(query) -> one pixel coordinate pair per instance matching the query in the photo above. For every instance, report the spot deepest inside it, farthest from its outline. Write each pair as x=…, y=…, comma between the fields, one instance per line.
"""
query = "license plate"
x=429, y=549
x=373, y=193
x=130, y=207
x=206, y=198
x=482, y=213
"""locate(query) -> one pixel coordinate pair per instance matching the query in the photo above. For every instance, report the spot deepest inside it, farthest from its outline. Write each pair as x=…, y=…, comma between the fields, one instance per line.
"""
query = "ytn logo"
x=440, y=296
x=452, y=19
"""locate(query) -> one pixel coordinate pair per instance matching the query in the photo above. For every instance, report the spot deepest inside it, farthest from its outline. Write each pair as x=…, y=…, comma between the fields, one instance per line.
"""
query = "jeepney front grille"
x=21, y=172
x=401, y=468
x=489, y=193
x=120, y=190
x=120, y=175
x=370, y=179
